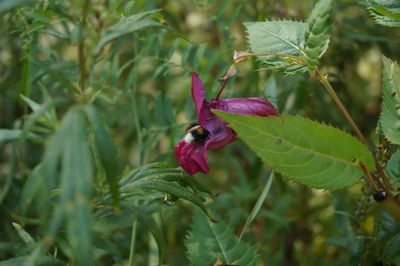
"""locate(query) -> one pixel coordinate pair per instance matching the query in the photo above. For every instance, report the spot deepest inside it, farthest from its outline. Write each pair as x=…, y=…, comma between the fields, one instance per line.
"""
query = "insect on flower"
x=196, y=134
x=211, y=132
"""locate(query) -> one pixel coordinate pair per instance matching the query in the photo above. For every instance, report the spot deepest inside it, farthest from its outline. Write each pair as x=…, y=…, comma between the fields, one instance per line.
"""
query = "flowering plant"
x=191, y=152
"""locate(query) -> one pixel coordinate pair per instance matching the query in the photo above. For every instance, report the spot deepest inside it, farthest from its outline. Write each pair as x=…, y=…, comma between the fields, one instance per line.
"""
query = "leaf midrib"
x=299, y=147
x=218, y=242
x=283, y=39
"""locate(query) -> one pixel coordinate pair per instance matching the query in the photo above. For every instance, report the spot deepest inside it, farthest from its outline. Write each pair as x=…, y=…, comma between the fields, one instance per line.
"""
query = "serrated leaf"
x=271, y=90
x=316, y=38
x=393, y=166
x=385, y=12
x=390, y=116
x=304, y=151
x=107, y=152
x=283, y=37
x=126, y=26
x=210, y=242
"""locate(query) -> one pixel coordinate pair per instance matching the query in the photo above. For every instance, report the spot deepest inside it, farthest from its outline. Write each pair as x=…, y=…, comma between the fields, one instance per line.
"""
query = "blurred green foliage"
x=92, y=89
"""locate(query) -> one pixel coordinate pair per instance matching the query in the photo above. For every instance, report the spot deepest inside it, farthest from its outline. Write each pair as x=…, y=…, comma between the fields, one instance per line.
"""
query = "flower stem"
x=221, y=88
x=295, y=58
x=241, y=58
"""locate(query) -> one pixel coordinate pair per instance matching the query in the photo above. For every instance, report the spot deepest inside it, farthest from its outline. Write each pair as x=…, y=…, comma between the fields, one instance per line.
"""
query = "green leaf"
x=391, y=253
x=158, y=171
x=283, y=37
x=68, y=146
x=7, y=5
x=393, y=166
x=173, y=181
x=307, y=152
x=316, y=38
x=385, y=12
x=107, y=151
x=25, y=236
x=390, y=116
x=7, y=135
x=171, y=188
x=41, y=261
x=149, y=222
x=75, y=187
x=271, y=91
x=210, y=242
x=126, y=26
x=258, y=204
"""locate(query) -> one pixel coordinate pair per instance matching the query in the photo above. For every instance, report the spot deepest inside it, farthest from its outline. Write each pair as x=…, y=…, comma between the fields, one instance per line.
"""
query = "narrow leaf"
x=258, y=204
x=7, y=135
x=313, y=154
x=7, y=5
x=390, y=116
x=319, y=26
x=75, y=187
x=107, y=151
x=151, y=225
x=25, y=236
x=158, y=171
x=126, y=26
x=176, y=190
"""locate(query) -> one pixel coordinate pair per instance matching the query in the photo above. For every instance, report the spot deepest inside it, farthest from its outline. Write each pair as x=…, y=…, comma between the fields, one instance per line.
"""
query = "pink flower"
x=212, y=132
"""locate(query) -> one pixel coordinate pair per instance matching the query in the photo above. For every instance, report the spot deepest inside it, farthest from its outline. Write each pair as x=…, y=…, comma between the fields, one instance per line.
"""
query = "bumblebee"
x=196, y=134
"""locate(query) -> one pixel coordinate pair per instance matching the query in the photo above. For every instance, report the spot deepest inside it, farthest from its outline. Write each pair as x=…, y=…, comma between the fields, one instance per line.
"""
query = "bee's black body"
x=196, y=134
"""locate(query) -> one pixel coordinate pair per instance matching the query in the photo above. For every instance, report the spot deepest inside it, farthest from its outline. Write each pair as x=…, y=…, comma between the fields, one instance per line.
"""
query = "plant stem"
x=295, y=58
x=325, y=82
x=81, y=48
x=339, y=103
x=241, y=58
x=221, y=88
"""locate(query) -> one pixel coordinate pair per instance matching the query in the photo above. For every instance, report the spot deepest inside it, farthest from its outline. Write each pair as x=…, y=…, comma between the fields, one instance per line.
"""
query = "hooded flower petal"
x=192, y=157
x=246, y=106
x=192, y=154
x=200, y=103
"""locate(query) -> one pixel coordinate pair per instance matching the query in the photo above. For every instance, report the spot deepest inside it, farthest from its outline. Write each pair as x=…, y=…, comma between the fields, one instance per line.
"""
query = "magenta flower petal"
x=190, y=153
x=245, y=106
x=192, y=157
x=200, y=103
